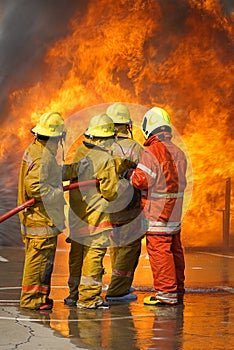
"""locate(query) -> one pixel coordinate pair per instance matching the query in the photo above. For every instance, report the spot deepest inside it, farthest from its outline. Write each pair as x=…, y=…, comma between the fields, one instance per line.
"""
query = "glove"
x=127, y=174
x=53, y=195
x=83, y=164
x=73, y=170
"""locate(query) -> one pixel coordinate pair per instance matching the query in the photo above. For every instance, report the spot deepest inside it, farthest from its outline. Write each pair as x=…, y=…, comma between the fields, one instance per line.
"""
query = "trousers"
x=166, y=258
x=86, y=270
x=38, y=268
x=124, y=261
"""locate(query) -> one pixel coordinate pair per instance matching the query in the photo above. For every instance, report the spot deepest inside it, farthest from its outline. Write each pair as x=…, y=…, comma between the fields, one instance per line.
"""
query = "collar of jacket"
x=159, y=137
x=122, y=136
x=51, y=145
x=93, y=145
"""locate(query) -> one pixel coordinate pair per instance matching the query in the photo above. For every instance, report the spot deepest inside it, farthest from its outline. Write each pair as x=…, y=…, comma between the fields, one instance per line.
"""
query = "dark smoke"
x=27, y=29
x=228, y=6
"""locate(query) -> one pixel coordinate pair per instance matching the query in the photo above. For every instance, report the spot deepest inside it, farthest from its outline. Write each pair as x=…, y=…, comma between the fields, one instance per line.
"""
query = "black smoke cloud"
x=228, y=6
x=27, y=29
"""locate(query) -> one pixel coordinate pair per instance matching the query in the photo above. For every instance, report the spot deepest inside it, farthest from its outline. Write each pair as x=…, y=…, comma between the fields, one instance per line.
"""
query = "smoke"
x=27, y=29
x=228, y=6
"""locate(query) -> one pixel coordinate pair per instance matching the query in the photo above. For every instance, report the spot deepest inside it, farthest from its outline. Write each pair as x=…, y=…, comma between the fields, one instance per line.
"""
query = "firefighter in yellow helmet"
x=126, y=216
x=41, y=178
x=161, y=174
x=89, y=220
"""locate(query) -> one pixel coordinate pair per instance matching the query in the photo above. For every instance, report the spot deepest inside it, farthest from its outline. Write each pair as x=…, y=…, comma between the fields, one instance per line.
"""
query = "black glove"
x=127, y=174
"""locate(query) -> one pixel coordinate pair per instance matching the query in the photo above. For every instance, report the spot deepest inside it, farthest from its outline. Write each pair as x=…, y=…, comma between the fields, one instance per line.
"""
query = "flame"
x=175, y=55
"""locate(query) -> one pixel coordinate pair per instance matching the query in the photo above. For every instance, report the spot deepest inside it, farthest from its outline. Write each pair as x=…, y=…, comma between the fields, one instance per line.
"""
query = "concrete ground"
x=205, y=321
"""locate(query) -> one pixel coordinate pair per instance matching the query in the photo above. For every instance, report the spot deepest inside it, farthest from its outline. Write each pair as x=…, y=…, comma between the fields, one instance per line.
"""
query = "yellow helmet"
x=100, y=126
x=153, y=119
x=50, y=124
x=119, y=113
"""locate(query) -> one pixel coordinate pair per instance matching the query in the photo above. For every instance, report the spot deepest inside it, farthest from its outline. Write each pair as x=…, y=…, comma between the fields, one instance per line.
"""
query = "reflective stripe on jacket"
x=161, y=174
x=88, y=214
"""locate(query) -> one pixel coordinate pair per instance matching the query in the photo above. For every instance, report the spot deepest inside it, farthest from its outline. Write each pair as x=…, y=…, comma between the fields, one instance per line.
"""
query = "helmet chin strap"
x=130, y=130
x=61, y=141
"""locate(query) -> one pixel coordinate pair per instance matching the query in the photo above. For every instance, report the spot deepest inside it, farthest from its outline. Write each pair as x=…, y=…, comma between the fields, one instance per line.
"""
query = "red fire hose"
x=31, y=201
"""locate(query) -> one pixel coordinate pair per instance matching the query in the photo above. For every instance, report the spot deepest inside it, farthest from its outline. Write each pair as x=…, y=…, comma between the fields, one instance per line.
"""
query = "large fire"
x=178, y=55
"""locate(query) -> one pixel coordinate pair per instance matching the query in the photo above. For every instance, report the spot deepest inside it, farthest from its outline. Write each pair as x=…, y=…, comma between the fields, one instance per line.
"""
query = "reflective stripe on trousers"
x=166, y=195
x=90, y=287
x=164, y=227
x=124, y=261
x=38, y=267
x=167, y=263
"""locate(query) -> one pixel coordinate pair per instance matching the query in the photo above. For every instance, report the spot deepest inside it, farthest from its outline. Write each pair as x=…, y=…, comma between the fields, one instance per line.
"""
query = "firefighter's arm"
x=32, y=180
x=145, y=173
x=136, y=153
x=74, y=170
x=37, y=182
x=108, y=181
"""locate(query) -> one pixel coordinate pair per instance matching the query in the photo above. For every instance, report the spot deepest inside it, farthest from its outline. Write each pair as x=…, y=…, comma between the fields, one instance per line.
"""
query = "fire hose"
x=32, y=201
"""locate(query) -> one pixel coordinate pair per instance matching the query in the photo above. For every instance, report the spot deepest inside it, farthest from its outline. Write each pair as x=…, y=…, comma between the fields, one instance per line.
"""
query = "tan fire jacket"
x=88, y=213
x=126, y=152
x=41, y=178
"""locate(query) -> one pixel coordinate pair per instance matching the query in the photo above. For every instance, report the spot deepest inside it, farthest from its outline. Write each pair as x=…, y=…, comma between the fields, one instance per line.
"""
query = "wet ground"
x=205, y=321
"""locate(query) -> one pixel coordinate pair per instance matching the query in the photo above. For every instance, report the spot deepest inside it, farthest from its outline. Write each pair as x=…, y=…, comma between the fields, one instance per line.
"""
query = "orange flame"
x=150, y=53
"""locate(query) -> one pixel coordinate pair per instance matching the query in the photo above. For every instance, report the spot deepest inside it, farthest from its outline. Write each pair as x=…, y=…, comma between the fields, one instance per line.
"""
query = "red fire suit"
x=161, y=172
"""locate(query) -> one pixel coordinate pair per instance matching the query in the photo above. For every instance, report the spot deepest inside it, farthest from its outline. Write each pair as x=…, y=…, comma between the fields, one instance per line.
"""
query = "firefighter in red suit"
x=161, y=175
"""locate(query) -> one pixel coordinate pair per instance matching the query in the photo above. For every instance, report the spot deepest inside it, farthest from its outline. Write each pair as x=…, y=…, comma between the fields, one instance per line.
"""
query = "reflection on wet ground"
x=204, y=322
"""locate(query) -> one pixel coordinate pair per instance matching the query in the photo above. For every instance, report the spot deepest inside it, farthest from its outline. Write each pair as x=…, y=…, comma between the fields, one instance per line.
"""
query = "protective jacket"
x=127, y=219
x=41, y=178
x=126, y=153
x=88, y=214
x=161, y=174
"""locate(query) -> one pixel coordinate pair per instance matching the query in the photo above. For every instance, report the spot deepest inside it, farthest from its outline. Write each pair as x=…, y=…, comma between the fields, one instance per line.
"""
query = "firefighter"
x=41, y=178
x=161, y=173
x=89, y=220
x=126, y=217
